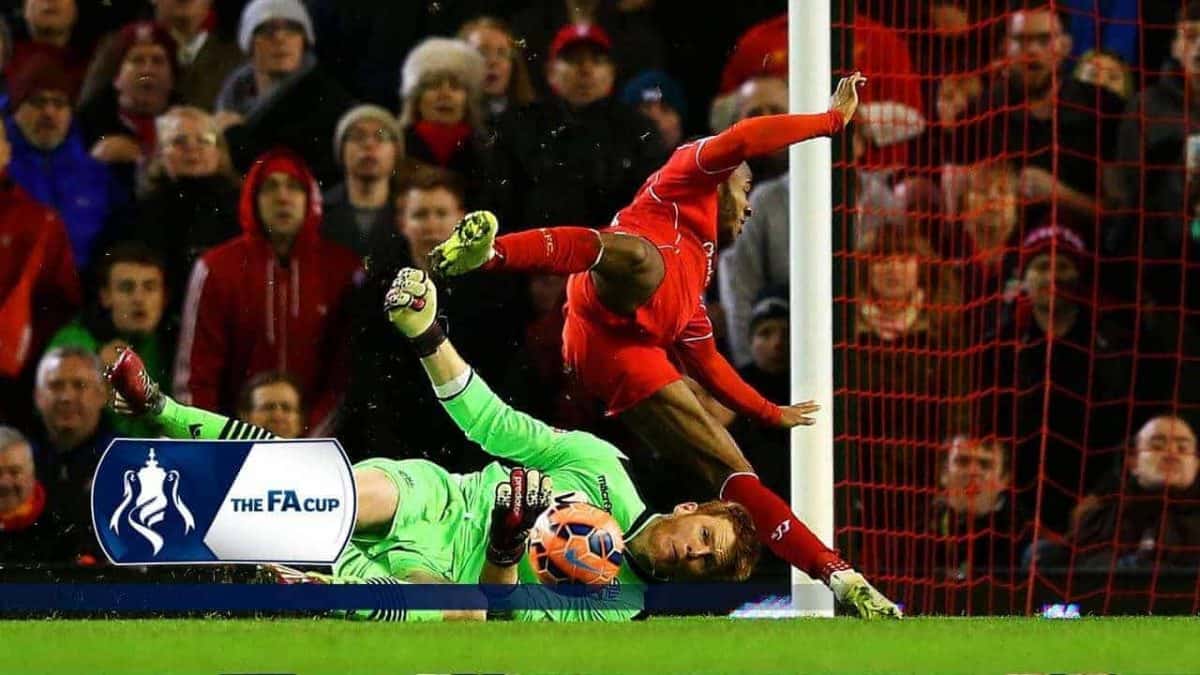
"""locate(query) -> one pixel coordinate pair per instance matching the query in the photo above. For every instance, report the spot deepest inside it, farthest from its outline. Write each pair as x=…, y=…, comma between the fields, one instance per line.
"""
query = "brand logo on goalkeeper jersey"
x=196, y=502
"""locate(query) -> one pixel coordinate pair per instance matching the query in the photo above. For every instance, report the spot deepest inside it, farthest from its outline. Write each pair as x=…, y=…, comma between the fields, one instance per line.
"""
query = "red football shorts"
x=623, y=360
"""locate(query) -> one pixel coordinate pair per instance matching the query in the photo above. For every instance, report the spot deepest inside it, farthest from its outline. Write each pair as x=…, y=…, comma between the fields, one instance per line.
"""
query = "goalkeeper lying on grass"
x=418, y=523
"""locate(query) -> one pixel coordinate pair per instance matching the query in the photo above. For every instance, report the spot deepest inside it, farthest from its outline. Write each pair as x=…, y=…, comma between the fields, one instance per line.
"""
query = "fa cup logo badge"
x=150, y=506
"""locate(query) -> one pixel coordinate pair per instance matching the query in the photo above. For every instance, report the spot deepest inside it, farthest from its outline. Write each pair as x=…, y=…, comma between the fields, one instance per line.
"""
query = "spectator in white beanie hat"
x=369, y=146
x=441, y=88
x=278, y=38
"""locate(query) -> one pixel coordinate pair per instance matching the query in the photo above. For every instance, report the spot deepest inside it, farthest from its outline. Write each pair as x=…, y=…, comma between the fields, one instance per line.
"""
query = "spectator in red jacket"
x=39, y=288
x=271, y=299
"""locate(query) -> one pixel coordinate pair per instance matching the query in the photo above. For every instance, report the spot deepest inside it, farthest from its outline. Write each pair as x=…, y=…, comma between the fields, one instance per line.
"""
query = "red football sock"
x=547, y=250
x=779, y=528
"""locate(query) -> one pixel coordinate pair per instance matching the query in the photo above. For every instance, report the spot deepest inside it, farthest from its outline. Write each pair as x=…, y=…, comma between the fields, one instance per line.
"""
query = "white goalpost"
x=811, y=281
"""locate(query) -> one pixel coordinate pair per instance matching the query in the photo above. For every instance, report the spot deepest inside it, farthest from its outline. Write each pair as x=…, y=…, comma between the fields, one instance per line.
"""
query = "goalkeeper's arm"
x=496, y=426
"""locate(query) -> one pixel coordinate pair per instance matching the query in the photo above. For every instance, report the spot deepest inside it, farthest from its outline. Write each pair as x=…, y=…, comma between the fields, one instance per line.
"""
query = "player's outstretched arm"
x=699, y=354
x=767, y=134
x=500, y=429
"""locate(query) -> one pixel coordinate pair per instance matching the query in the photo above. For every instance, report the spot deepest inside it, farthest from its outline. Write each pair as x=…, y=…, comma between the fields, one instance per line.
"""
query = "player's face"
x=145, y=77
x=44, y=119
x=582, y=75
x=278, y=47
x=974, y=476
x=189, y=148
x=444, y=100
x=370, y=150
x=135, y=296
x=16, y=476
x=496, y=48
x=276, y=408
x=429, y=218
x=769, y=345
x=282, y=201
x=733, y=201
x=690, y=545
x=1166, y=454
x=69, y=397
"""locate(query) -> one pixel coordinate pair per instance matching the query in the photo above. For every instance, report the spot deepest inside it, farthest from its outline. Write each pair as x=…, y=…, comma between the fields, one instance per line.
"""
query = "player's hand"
x=411, y=302
x=518, y=504
x=800, y=414
x=845, y=97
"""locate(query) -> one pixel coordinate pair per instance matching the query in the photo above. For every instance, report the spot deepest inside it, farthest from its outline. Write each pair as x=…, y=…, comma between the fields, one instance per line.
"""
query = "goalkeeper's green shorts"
x=426, y=531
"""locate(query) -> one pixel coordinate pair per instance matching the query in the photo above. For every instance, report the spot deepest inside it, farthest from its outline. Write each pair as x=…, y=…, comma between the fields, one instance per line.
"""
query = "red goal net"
x=1018, y=278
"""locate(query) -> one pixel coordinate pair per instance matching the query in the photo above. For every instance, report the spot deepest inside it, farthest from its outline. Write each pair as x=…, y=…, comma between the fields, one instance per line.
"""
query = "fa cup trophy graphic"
x=150, y=506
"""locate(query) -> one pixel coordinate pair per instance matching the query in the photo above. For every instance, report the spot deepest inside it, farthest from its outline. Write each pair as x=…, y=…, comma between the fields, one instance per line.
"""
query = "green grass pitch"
x=308, y=647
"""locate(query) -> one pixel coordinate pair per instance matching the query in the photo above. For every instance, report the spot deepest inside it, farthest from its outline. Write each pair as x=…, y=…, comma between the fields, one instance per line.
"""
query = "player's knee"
x=629, y=255
x=378, y=499
x=725, y=465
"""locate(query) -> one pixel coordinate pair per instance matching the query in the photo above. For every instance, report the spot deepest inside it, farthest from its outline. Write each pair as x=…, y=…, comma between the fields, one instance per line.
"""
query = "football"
x=576, y=543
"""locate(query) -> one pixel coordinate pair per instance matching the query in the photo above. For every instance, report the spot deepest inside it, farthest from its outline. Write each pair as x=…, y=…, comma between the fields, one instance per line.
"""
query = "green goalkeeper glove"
x=411, y=306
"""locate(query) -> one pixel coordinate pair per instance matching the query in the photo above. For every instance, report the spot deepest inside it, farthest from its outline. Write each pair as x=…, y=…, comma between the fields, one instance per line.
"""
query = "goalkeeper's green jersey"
x=442, y=520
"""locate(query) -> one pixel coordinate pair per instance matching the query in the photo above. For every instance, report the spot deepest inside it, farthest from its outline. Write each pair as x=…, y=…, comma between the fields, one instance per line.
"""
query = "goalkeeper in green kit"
x=418, y=523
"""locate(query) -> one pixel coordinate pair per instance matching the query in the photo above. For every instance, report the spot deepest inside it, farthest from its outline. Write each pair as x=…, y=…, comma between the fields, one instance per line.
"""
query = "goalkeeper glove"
x=411, y=306
x=518, y=504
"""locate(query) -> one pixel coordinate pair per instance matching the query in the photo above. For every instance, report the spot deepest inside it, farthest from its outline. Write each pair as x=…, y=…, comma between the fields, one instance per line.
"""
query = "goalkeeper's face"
x=701, y=542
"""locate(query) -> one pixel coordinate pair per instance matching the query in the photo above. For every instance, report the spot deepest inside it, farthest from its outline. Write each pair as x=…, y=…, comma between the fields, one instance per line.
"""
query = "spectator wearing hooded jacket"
x=271, y=299
x=50, y=159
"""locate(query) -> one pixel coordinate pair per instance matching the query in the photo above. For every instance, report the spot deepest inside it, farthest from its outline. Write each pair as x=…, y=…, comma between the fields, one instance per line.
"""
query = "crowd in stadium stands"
x=229, y=187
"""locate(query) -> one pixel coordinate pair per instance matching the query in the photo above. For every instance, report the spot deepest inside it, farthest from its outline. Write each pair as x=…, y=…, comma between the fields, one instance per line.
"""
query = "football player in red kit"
x=635, y=300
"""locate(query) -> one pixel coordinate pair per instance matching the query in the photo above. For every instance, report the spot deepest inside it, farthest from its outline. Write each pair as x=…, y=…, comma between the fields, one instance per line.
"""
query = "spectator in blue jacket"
x=51, y=161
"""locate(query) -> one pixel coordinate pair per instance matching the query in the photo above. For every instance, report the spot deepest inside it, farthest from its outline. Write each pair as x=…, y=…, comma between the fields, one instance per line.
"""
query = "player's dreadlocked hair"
x=746, y=549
